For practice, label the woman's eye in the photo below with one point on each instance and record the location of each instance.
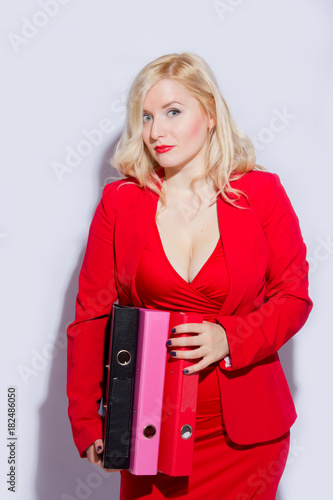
(146, 118)
(174, 112)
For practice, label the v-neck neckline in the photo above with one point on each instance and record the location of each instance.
(171, 266)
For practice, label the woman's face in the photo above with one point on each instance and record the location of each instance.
(175, 128)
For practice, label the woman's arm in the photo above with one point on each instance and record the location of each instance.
(261, 333)
(86, 335)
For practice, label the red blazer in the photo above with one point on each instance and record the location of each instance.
(266, 305)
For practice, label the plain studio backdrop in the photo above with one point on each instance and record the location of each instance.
(66, 70)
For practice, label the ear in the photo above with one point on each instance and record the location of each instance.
(211, 122)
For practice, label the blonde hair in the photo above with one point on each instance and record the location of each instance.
(230, 153)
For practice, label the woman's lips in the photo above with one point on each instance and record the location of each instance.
(163, 149)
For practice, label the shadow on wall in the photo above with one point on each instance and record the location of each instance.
(61, 473)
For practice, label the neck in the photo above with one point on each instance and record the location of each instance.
(177, 188)
(178, 182)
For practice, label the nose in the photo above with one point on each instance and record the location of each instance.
(158, 128)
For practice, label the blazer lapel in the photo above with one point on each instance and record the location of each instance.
(237, 229)
(131, 231)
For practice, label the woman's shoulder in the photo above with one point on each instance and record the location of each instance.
(260, 186)
(121, 193)
(256, 180)
(263, 192)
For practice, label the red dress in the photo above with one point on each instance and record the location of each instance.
(221, 468)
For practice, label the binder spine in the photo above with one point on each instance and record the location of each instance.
(179, 409)
(148, 392)
(120, 387)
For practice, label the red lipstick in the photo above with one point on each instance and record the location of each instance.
(163, 149)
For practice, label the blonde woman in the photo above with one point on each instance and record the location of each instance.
(195, 225)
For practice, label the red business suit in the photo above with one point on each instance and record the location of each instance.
(267, 303)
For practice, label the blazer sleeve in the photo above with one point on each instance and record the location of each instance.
(86, 335)
(286, 305)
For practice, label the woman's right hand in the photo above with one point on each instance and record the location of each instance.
(94, 454)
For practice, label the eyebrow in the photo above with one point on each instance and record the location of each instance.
(166, 105)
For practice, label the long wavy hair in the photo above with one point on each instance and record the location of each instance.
(230, 152)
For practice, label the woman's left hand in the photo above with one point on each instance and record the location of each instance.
(211, 340)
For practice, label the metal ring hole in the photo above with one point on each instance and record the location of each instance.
(123, 357)
(149, 431)
(186, 431)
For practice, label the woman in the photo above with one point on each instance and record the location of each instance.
(193, 226)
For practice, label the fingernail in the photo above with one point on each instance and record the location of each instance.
(173, 353)
(173, 330)
(99, 448)
(168, 342)
(185, 371)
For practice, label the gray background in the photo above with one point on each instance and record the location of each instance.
(66, 69)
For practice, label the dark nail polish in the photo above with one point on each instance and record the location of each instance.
(173, 330)
(173, 353)
(168, 342)
(185, 371)
(99, 449)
